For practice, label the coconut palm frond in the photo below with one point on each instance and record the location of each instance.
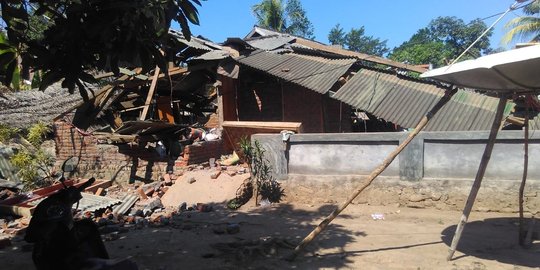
(533, 8)
(522, 28)
(270, 14)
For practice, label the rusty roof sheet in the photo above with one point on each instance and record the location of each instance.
(405, 101)
(315, 73)
(89, 202)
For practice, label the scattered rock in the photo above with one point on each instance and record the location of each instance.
(191, 180)
(215, 174)
(417, 198)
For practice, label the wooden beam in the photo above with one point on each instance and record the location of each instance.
(150, 94)
(521, 234)
(448, 95)
(479, 176)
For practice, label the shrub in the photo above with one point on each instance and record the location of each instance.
(6, 133)
(261, 178)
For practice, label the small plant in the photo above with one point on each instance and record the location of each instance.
(37, 133)
(34, 165)
(6, 133)
(261, 178)
(34, 168)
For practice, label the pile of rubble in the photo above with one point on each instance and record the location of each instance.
(140, 205)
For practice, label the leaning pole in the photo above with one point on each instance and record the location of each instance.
(429, 115)
(479, 176)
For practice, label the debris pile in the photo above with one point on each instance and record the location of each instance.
(170, 201)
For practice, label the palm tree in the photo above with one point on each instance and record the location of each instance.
(271, 14)
(525, 27)
(287, 17)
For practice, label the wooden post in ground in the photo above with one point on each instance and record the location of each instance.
(521, 234)
(448, 95)
(479, 176)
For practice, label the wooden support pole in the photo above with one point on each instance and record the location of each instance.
(448, 95)
(150, 94)
(479, 176)
(521, 234)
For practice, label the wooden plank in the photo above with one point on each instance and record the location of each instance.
(99, 191)
(294, 126)
(150, 94)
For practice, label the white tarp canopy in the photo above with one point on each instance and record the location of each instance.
(513, 71)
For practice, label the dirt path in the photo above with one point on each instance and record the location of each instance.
(406, 239)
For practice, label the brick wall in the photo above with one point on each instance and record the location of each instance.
(203, 151)
(124, 162)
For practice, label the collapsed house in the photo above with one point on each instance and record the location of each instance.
(141, 125)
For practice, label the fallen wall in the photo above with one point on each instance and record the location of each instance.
(436, 169)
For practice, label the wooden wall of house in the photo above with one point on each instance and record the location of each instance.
(259, 101)
(228, 96)
(262, 98)
(303, 105)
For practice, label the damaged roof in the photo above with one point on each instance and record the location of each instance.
(24, 108)
(316, 73)
(263, 41)
(404, 101)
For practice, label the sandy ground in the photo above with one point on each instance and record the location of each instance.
(407, 238)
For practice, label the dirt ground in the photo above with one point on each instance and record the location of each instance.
(260, 237)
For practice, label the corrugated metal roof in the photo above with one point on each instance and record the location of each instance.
(315, 73)
(212, 55)
(405, 101)
(89, 202)
(195, 42)
(269, 43)
(258, 31)
(5, 167)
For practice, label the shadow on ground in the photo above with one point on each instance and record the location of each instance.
(494, 239)
(269, 234)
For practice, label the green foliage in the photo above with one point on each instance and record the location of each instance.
(9, 68)
(261, 180)
(299, 24)
(32, 166)
(526, 28)
(357, 41)
(37, 133)
(443, 40)
(92, 34)
(6, 133)
(284, 17)
(337, 36)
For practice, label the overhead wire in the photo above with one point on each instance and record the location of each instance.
(511, 8)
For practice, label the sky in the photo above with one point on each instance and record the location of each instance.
(393, 20)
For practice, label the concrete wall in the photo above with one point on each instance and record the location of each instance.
(435, 166)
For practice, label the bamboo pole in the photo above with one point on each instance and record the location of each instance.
(448, 95)
(521, 234)
(479, 175)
